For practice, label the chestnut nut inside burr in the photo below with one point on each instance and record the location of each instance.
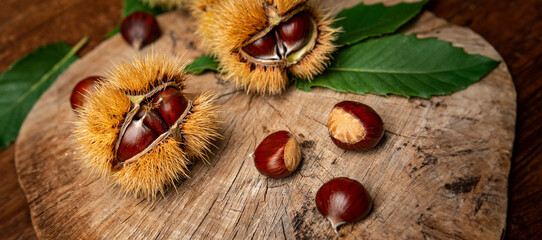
(139, 29)
(343, 200)
(355, 126)
(155, 117)
(278, 155)
(285, 43)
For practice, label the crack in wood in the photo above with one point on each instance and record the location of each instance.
(233, 182)
(204, 217)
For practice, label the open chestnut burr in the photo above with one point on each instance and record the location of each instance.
(261, 43)
(140, 131)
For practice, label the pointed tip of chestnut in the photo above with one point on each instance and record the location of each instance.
(139, 29)
(343, 200)
(335, 224)
(278, 155)
(82, 90)
(355, 126)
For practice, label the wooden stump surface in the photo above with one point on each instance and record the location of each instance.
(441, 170)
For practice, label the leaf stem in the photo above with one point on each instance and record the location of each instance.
(48, 74)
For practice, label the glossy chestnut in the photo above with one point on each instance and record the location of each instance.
(139, 29)
(343, 200)
(82, 90)
(264, 48)
(278, 155)
(295, 33)
(355, 126)
(283, 44)
(171, 104)
(155, 117)
(137, 136)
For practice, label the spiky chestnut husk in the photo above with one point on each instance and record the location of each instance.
(168, 4)
(228, 26)
(98, 127)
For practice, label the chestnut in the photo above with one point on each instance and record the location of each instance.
(283, 44)
(171, 104)
(278, 155)
(264, 48)
(139, 29)
(343, 200)
(296, 32)
(137, 136)
(155, 117)
(355, 126)
(83, 89)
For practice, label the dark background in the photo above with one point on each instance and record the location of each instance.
(513, 27)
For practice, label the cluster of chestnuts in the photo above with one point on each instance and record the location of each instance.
(153, 130)
(352, 126)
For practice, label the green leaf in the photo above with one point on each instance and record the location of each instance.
(131, 6)
(364, 21)
(402, 65)
(202, 64)
(25, 81)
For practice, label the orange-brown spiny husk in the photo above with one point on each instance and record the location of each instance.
(98, 124)
(168, 4)
(226, 26)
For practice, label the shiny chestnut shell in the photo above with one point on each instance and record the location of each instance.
(136, 138)
(343, 200)
(139, 29)
(278, 155)
(155, 117)
(171, 104)
(295, 32)
(81, 90)
(355, 126)
(264, 47)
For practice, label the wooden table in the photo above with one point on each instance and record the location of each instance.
(514, 28)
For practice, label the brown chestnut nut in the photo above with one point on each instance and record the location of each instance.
(355, 126)
(343, 200)
(278, 155)
(296, 32)
(154, 118)
(137, 136)
(139, 29)
(264, 48)
(83, 89)
(171, 104)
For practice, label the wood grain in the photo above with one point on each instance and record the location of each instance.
(441, 171)
(515, 29)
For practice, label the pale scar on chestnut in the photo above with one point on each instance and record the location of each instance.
(278, 155)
